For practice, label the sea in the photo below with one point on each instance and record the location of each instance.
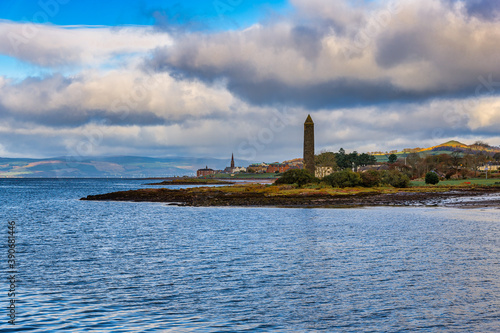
(85, 266)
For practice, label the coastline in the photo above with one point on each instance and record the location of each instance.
(262, 196)
(192, 182)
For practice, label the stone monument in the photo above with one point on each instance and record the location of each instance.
(309, 145)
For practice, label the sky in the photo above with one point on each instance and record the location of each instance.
(211, 78)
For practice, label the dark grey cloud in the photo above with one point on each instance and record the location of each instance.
(399, 48)
(70, 118)
(339, 93)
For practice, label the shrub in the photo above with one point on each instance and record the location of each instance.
(370, 178)
(296, 176)
(345, 178)
(449, 174)
(431, 178)
(395, 178)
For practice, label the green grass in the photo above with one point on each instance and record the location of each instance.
(475, 181)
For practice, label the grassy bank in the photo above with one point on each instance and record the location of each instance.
(246, 176)
(192, 181)
(323, 189)
(460, 182)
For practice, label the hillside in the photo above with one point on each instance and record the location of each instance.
(444, 148)
(447, 146)
(117, 166)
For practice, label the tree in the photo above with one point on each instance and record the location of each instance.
(365, 159)
(431, 178)
(481, 144)
(342, 159)
(496, 157)
(456, 159)
(352, 160)
(415, 162)
(395, 178)
(296, 176)
(393, 158)
(325, 159)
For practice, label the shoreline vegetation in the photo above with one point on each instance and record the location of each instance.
(192, 181)
(314, 196)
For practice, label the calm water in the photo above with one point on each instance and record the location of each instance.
(130, 267)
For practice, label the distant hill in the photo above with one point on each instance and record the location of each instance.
(444, 148)
(448, 146)
(117, 166)
(453, 143)
(461, 147)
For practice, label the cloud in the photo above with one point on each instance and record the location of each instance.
(262, 133)
(55, 46)
(386, 53)
(122, 97)
(486, 116)
(486, 9)
(374, 77)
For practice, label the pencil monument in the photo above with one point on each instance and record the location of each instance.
(309, 145)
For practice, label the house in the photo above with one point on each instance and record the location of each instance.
(321, 172)
(257, 168)
(376, 167)
(277, 167)
(489, 167)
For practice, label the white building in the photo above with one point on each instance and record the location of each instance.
(490, 167)
(239, 169)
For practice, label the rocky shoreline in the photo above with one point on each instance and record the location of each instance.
(192, 182)
(474, 197)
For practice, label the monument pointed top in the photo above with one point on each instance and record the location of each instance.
(309, 120)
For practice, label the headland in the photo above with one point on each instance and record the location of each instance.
(260, 195)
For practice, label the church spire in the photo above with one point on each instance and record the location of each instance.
(232, 161)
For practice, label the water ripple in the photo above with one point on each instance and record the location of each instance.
(129, 267)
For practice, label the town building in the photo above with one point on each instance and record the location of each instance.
(277, 167)
(489, 167)
(239, 169)
(205, 172)
(376, 167)
(258, 168)
(322, 172)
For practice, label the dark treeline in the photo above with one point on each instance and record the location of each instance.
(342, 160)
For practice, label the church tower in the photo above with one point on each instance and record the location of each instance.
(232, 162)
(309, 145)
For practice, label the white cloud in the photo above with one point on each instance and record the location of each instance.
(486, 115)
(115, 94)
(60, 46)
